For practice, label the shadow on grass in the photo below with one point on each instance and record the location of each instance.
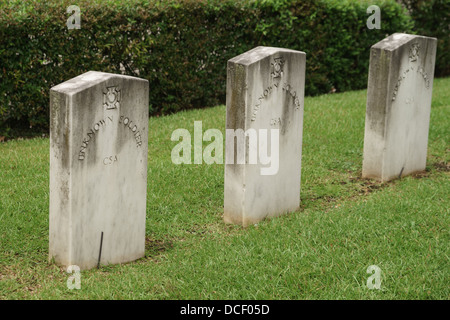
(154, 247)
(366, 186)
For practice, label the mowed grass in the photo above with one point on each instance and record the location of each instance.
(322, 251)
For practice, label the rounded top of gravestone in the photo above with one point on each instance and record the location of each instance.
(87, 80)
(259, 53)
(396, 40)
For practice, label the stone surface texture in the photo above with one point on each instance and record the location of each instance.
(98, 169)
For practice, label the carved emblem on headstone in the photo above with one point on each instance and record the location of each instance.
(414, 52)
(277, 67)
(111, 98)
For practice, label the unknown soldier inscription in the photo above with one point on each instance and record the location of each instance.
(98, 169)
(398, 106)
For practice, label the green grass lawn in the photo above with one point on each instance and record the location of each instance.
(344, 225)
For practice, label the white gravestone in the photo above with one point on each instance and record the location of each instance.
(98, 169)
(265, 96)
(398, 106)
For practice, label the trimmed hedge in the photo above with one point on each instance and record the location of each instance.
(181, 47)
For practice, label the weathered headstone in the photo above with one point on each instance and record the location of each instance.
(265, 93)
(398, 106)
(98, 169)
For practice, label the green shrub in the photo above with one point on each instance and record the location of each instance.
(181, 47)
